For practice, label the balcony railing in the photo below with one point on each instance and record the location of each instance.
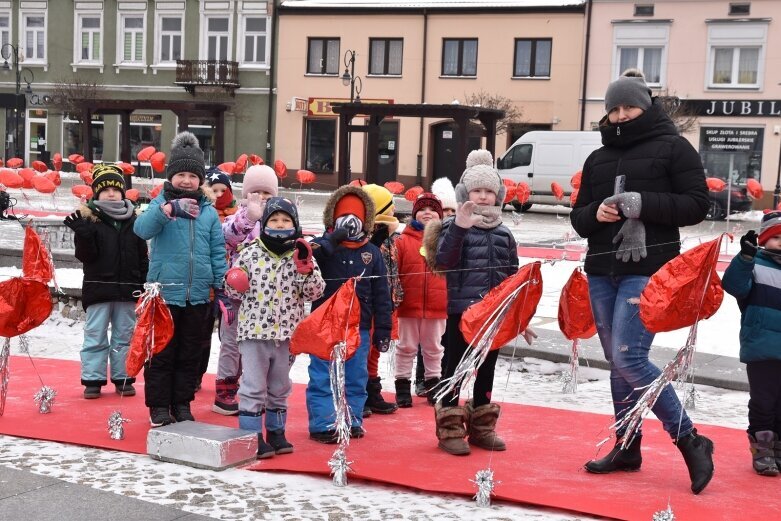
(207, 73)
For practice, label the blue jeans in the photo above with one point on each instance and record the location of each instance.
(626, 343)
(319, 399)
(98, 350)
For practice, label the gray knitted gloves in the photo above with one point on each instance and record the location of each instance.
(629, 203)
(632, 239)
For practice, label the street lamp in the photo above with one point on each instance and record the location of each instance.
(7, 51)
(349, 77)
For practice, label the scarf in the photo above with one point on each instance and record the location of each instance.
(490, 220)
(169, 192)
(224, 201)
(278, 245)
(417, 225)
(115, 210)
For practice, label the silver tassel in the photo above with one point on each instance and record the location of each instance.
(24, 344)
(664, 515)
(45, 399)
(484, 480)
(116, 428)
(690, 397)
(570, 378)
(5, 352)
(343, 421)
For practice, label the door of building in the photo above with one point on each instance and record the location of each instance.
(387, 160)
(37, 148)
(445, 148)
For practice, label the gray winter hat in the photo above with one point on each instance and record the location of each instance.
(186, 156)
(629, 89)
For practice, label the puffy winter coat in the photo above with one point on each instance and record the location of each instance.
(188, 255)
(115, 259)
(476, 259)
(756, 284)
(273, 305)
(425, 293)
(667, 172)
(239, 230)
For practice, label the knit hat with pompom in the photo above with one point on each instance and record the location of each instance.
(186, 156)
(480, 173)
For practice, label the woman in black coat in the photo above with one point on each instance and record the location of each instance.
(636, 191)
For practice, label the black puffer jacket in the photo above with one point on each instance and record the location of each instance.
(115, 259)
(475, 260)
(667, 172)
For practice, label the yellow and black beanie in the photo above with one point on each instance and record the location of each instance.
(107, 176)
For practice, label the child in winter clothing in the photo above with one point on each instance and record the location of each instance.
(281, 274)
(754, 279)
(115, 265)
(384, 237)
(423, 310)
(260, 183)
(344, 251)
(479, 252)
(188, 258)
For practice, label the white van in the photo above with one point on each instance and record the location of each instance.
(541, 157)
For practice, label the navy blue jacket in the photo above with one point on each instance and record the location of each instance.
(476, 261)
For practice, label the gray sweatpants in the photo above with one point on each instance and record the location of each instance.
(265, 378)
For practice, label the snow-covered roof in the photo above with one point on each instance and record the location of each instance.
(430, 4)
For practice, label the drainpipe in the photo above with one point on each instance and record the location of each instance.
(272, 77)
(419, 173)
(585, 66)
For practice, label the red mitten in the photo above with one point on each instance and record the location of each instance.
(303, 257)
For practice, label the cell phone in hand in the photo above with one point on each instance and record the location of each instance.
(620, 184)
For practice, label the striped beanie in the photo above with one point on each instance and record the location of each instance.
(770, 227)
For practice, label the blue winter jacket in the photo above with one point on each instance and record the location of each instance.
(187, 253)
(475, 260)
(756, 284)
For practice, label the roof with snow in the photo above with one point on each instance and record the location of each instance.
(432, 4)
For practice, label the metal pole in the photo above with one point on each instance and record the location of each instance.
(777, 191)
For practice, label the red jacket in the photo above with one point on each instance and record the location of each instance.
(425, 294)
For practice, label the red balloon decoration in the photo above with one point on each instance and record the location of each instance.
(14, 162)
(26, 304)
(305, 177)
(127, 168)
(154, 326)
(255, 159)
(57, 161)
(574, 181)
(40, 166)
(27, 175)
(36, 259)
(84, 167)
(43, 185)
(412, 194)
(86, 177)
(157, 161)
(394, 187)
(573, 197)
(523, 192)
(280, 168)
(358, 182)
(11, 179)
(576, 319)
(156, 191)
(715, 184)
(54, 177)
(558, 191)
(227, 167)
(508, 182)
(132, 194)
(76, 158)
(754, 189)
(241, 164)
(145, 154)
(82, 191)
(509, 193)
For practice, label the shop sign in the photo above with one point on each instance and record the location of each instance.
(322, 106)
(733, 108)
(730, 139)
(154, 119)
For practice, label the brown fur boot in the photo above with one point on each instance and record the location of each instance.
(451, 429)
(482, 426)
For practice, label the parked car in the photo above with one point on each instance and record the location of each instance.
(737, 200)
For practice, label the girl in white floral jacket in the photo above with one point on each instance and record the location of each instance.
(273, 277)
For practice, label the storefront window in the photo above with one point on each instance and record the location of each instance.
(733, 154)
(144, 132)
(205, 130)
(71, 137)
(320, 145)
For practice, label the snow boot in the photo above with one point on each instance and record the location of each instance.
(403, 393)
(225, 402)
(375, 401)
(481, 422)
(125, 389)
(451, 429)
(420, 388)
(762, 452)
(182, 412)
(253, 421)
(431, 385)
(276, 419)
(159, 416)
(697, 452)
(628, 459)
(91, 392)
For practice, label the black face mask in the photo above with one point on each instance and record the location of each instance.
(278, 245)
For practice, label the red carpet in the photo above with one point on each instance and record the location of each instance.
(541, 467)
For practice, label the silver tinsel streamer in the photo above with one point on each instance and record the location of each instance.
(664, 515)
(24, 344)
(690, 397)
(116, 428)
(45, 399)
(480, 347)
(484, 481)
(338, 462)
(570, 378)
(5, 352)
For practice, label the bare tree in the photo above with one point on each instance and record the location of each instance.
(486, 100)
(684, 117)
(72, 94)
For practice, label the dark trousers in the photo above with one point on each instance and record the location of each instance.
(208, 324)
(172, 373)
(454, 349)
(764, 404)
(420, 368)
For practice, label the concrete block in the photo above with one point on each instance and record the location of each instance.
(202, 445)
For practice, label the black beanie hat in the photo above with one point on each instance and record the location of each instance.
(107, 176)
(280, 204)
(216, 176)
(186, 156)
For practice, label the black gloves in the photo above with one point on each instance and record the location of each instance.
(748, 244)
(381, 232)
(78, 224)
(383, 345)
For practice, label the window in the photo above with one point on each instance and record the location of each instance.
(131, 47)
(71, 137)
(320, 145)
(385, 56)
(644, 10)
(739, 9)
(217, 38)
(459, 57)
(323, 57)
(170, 31)
(532, 58)
(736, 54)
(5, 28)
(35, 37)
(255, 40)
(144, 131)
(641, 46)
(89, 38)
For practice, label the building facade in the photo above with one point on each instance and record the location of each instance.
(119, 59)
(420, 52)
(721, 58)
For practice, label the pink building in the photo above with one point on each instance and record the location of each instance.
(722, 58)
